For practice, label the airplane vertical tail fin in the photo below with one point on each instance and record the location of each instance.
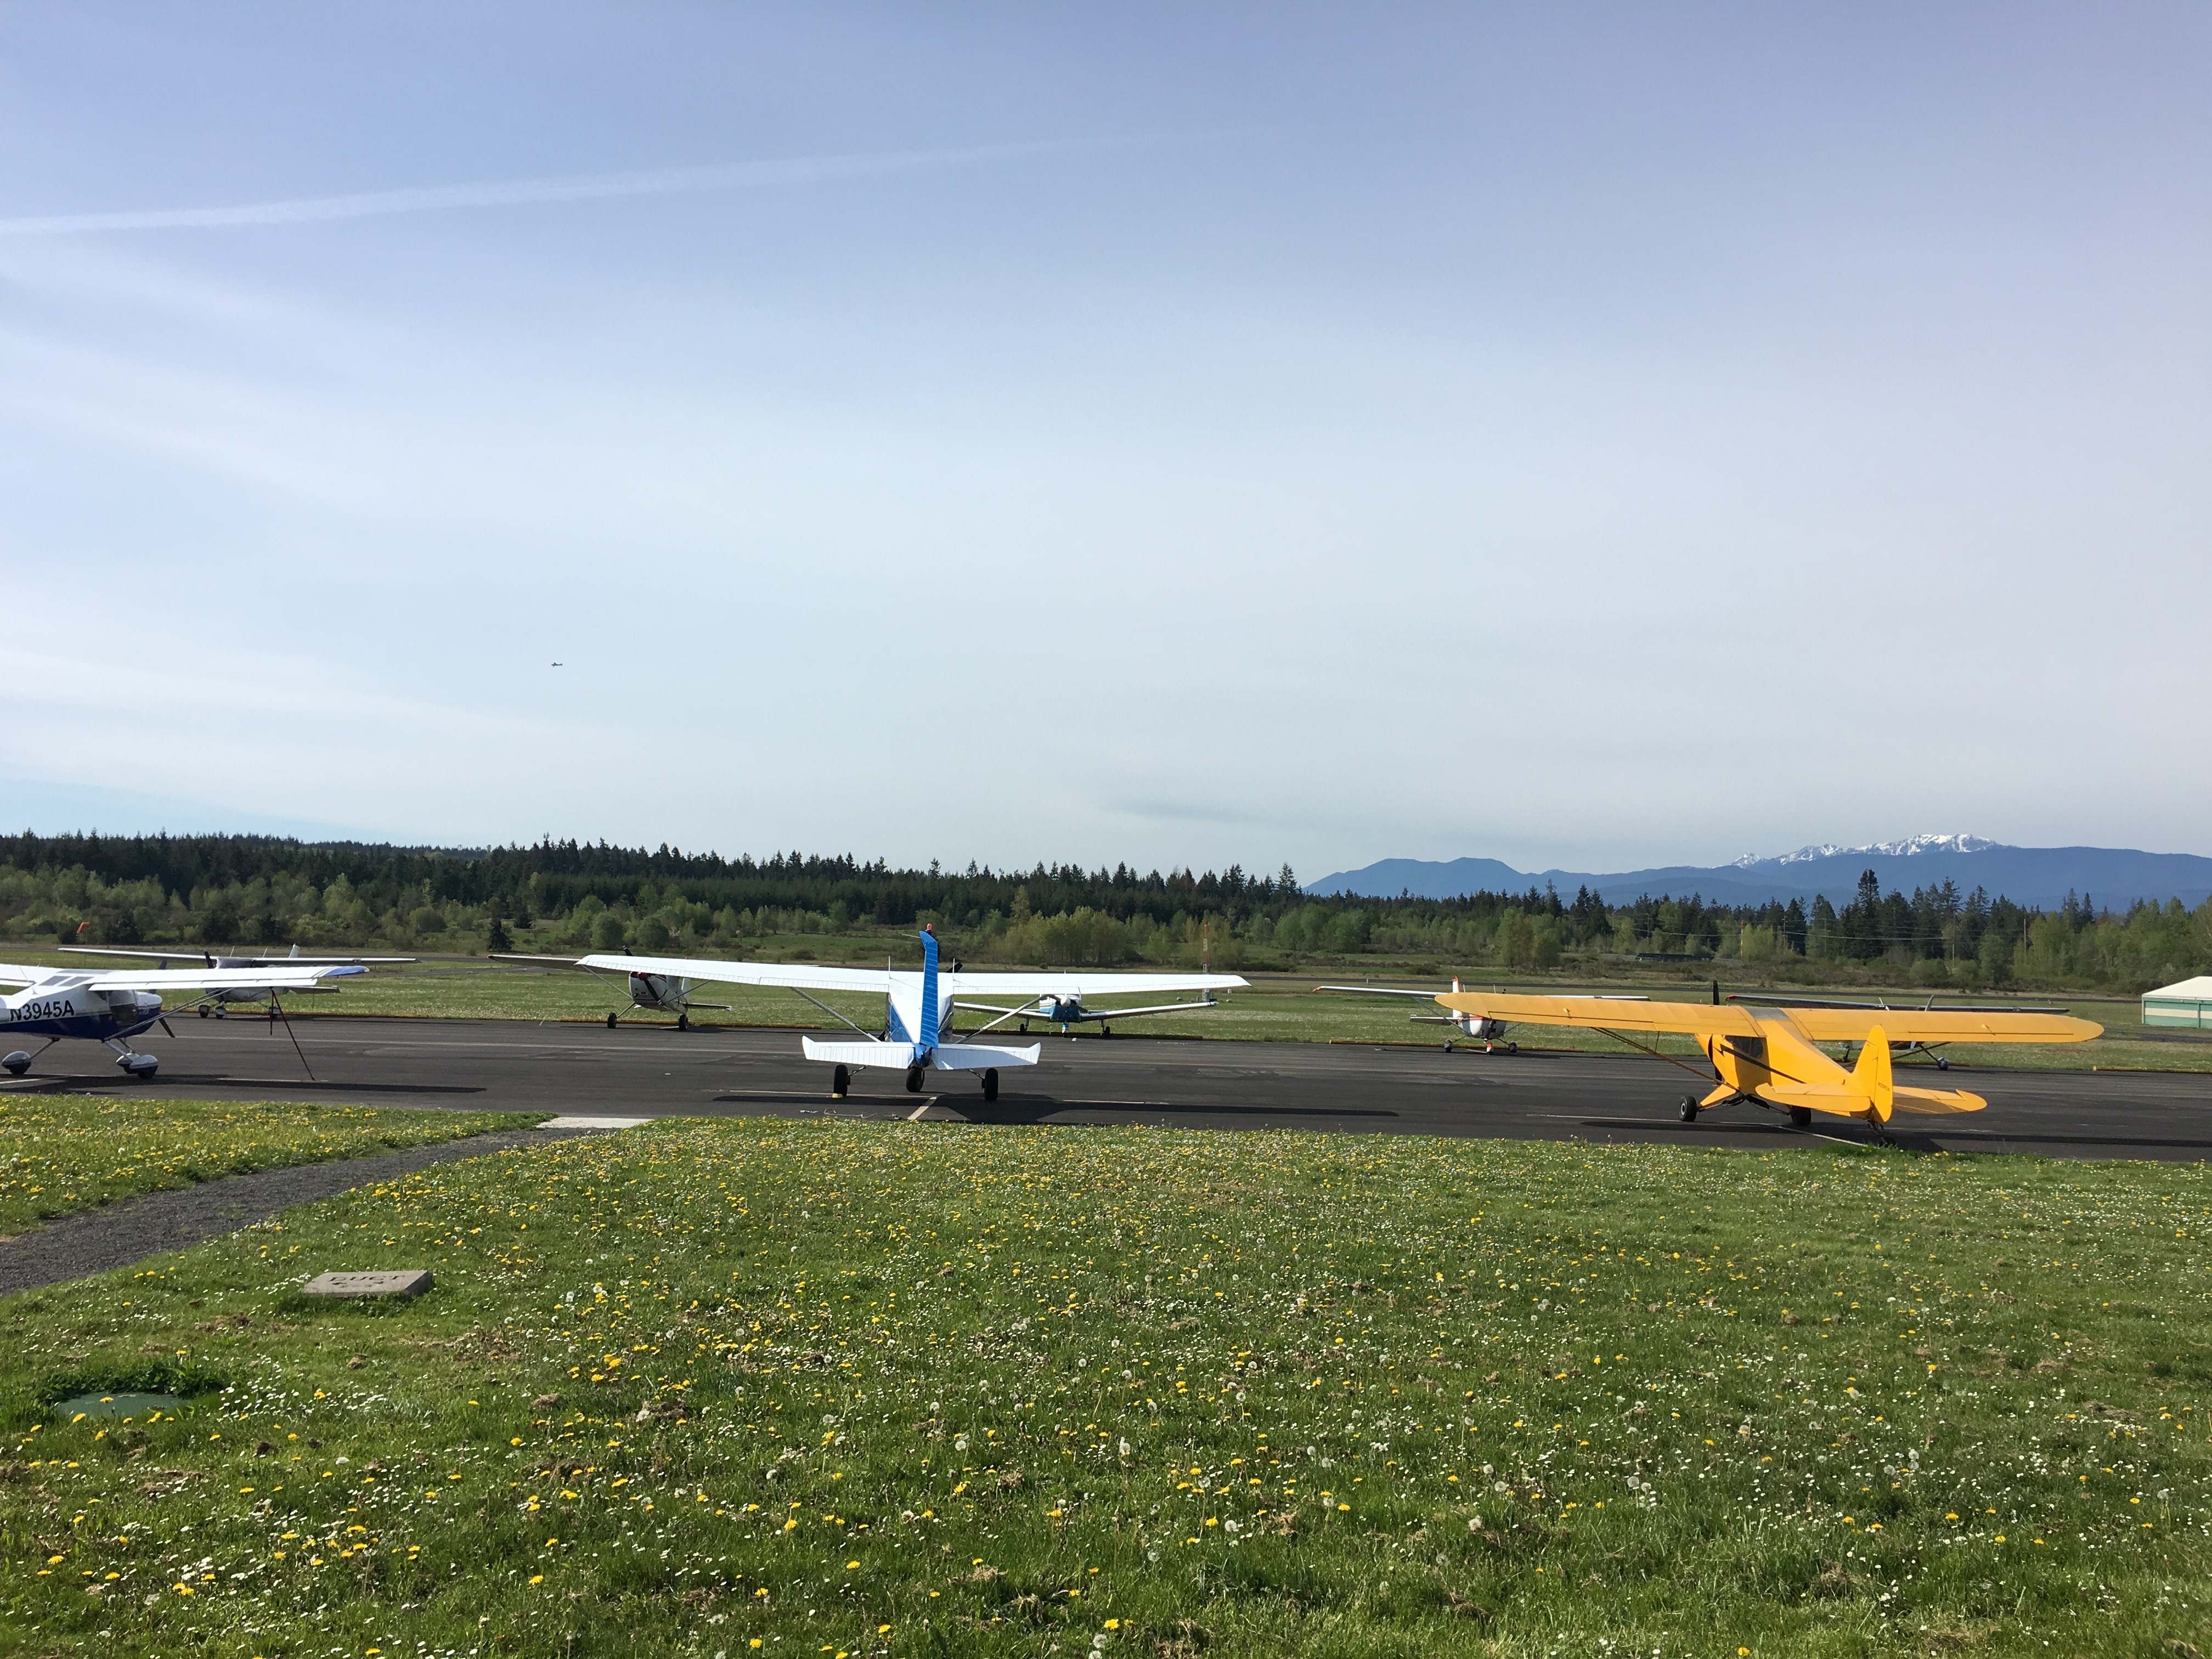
(926, 1038)
(1872, 1079)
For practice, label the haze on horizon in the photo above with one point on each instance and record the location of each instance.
(1593, 438)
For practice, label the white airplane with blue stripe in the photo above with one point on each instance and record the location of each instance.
(917, 1036)
(111, 1006)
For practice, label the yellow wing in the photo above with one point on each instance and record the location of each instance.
(1940, 1025)
(1742, 1019)
(1605, 1013)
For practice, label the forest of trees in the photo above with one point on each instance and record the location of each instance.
(269, 892)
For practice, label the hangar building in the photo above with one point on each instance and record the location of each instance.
(2189, 1003)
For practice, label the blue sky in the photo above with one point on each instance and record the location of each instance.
(1595, 436)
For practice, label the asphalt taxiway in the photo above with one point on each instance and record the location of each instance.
(655, 1070)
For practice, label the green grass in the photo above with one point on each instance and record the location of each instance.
(920, 1390)
(60, 1153)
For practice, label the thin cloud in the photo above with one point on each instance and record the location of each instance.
(519, 193)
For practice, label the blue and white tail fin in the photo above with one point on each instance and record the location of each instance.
(926, 1038)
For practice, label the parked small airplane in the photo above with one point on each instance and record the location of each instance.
(1765, 1055)
(214, 1003)
(1487, 1032)
(110, 1006)
(916, 1037)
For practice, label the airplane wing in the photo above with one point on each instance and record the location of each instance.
(1762, 1000)
(1377, 991)
(1604, 1013)
(790, 975)
(1090, 983)
(214, 979)
(1090, 1011)
(1942, 1025)
(13, 973)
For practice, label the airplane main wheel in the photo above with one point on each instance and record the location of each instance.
(1512, 1048)
(913, 1080)
(1689, 1109)
(17, 1063)
(1802, 1117)
(840, 1079)
(1941, 1064)
(991, 1084)
(610, 1022)
(1105, 1030)
(682, 1022)
(203, 1013)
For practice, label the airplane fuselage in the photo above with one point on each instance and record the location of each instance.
(70, 1007)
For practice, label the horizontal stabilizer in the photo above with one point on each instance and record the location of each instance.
(896, 1056)
(976, 1057)
(1842, 1101)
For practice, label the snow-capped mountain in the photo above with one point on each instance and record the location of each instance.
(1895, 849)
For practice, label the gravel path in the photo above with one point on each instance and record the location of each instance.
(116, 1234)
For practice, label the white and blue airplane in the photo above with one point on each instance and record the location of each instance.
(110, 1006)
(916, 1037)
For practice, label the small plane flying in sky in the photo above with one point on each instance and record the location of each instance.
(917, 1035)
(1765, 1054)
(111, 1006)
(214, 1002)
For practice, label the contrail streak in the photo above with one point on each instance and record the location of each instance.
(514, 192)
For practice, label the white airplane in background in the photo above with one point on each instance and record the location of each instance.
(916, 1038)
(1485, 1031)
(214, 1002)
(110, 1006)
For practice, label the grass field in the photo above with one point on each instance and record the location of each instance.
(60, 1153)
(830, 1389)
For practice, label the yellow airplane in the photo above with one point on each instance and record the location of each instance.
(1766, 1054)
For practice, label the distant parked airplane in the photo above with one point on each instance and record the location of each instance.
(214, 1003)
(916, 1038)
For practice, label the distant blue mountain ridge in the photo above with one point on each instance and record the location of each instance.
(2039, 877)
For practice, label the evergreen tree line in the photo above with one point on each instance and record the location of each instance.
(273, 892)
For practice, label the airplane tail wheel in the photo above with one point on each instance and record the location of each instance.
(610, 1022)
(682, 1022)
(914, 1081)
(840, 1080)
(1802, 1117)
(991, 1084)
(1689, 1109)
